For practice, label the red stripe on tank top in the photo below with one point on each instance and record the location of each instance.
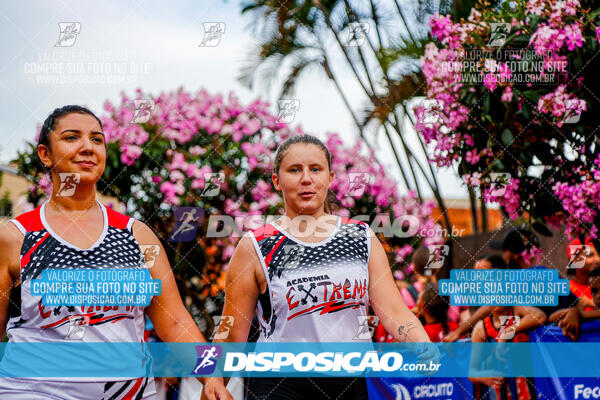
(27, 257)
(270, 255)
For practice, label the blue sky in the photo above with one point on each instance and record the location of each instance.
(159, 43)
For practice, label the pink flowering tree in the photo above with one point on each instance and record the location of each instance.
(167, 160)
(512, 100)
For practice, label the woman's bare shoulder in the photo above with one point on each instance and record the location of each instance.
(10, 236)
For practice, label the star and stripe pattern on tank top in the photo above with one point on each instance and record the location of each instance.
(43, 249)
(312, 285)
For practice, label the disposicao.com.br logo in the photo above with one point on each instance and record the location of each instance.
(339, 362)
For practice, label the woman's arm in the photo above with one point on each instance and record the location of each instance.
(557, 315)
(531, 317)
(465, 327)
(387, 301)
(591, 314)
(242, 289)
(11, 240)
(172, 322)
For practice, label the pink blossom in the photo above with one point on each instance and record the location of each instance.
(197, 150)
(507, 95)
(509, 198)
(547, 39)
(490, 81)
(473, 179)
(178, 162)
(536, 7)
(255, 153)
(472, 157)
(45, 183)
(440, 26)
(573, 36)
(130, 153)
(170, 191)
(398, 275)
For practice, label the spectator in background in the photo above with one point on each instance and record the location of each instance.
(587, 313)
(489, 261)
(423, 275)
(433, 311)
(485, 262)
(594, 280)
(505, 324)
(514, 243)
(410, 294)
(583, 259)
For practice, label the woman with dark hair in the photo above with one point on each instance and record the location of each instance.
(72, 230)
(311, 277)
(490, 261)
(433, 308)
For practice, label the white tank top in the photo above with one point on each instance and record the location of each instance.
(30, 321)
(316, 292)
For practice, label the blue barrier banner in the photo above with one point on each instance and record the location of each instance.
(414, 360)
(574, 386)
(420, 388)
(548, 381)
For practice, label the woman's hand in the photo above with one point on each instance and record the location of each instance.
(494, 382)
(452, 336)
(214, 389)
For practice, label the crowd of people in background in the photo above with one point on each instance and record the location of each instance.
(447, 323)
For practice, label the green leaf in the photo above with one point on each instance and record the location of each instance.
(507, 137)
(486, 103)
(526, 111)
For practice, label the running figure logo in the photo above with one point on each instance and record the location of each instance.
(432, 112)
(287, 110)
(186, 224)
(357, 32)
(212, 184)
(68, 184)
(207, 359)
(437, 255)
(572, 111)
(366, 327)
(578, 254)
(68, 34)
(212, 34)
(222, 326)
(77, 327)
(358, 183)
(292, 254)
(149, 254)
(498, 182)
(499, 33)
(143, 111)
(508, 326)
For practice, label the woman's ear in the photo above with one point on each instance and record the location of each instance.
(331, 178)
(275, 179)
(44, 155)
